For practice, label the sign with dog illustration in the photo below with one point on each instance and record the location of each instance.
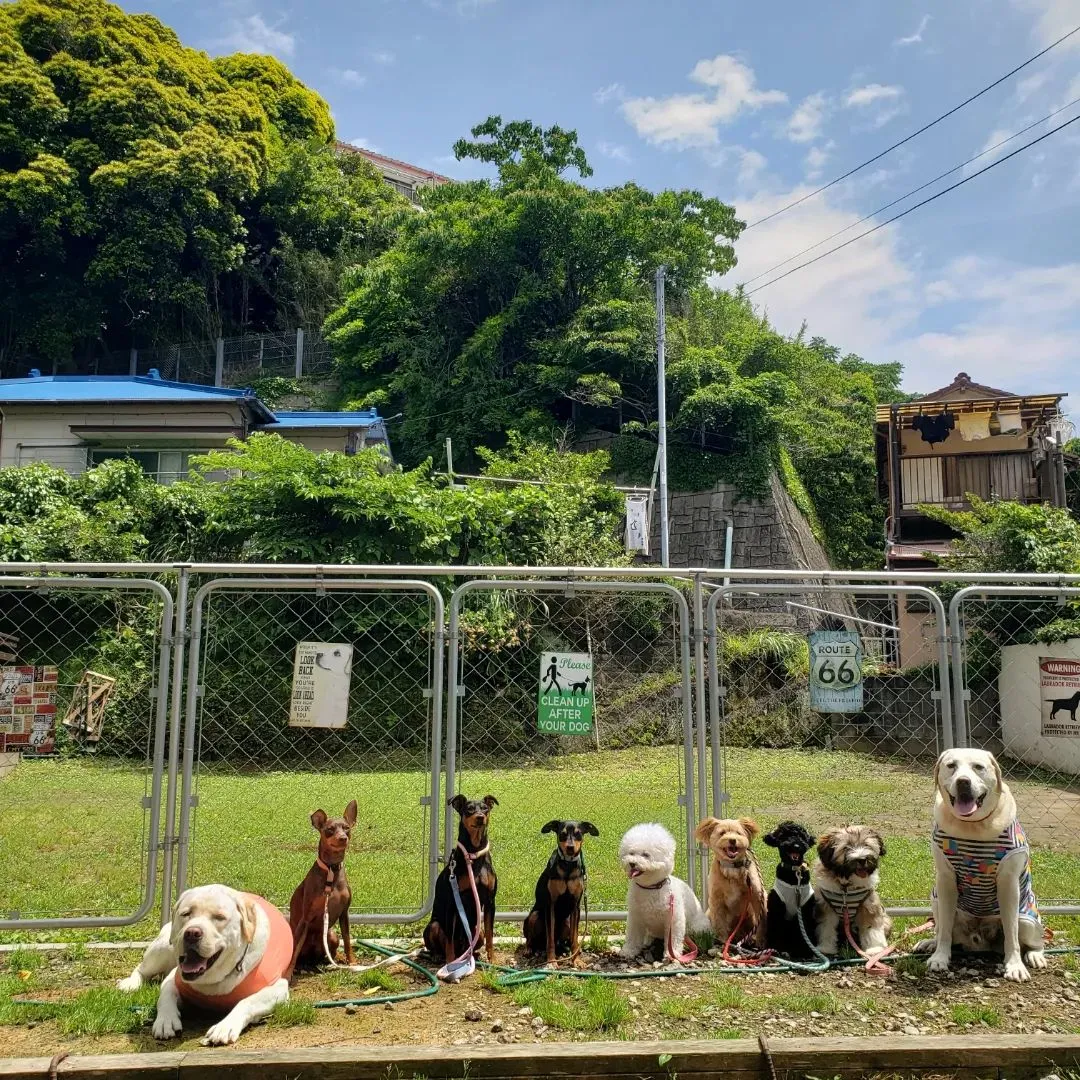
(1059, 682)
(565, 695)
(836, 679)
(322, 675)
(28, 709)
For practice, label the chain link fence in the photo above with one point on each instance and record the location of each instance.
(1016, 655)
(254, 770)
(84, 675)
(814, 717)
(634, 764)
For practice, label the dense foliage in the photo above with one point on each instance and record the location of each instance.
(150, 193)
(527, 303)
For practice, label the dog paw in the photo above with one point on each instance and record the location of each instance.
(927, 945)
(938, 964)
(1036, 959)
(167, 1025)
(1015, 970)
(132, 983)
(628, 954)
(223, 1033)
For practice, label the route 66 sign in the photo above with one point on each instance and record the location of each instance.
(836, 680)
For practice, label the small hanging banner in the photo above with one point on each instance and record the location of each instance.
(637, 524)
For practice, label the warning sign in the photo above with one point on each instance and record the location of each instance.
(322, 675)
(28, 709)
(1059, 682)
(565, 695)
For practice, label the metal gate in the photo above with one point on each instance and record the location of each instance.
(772, 755)
(80, 835)
(638, 635)
(250, 781)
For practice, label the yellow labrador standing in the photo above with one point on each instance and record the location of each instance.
(225, 951)
(983, 897)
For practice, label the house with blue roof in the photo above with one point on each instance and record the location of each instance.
(78, 421)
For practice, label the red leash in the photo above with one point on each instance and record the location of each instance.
(686, 957)
(762, 957)
(874, 966)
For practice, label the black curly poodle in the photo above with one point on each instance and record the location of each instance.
(791, 892)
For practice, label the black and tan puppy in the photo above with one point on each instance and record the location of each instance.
(552, 926)
(444, 935)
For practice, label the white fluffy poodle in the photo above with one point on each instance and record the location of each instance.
(658, 904)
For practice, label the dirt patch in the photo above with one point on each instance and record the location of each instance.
(836, 1003)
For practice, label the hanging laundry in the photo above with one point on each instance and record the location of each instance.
(934, 429)
(974, 426)
(1009, 423)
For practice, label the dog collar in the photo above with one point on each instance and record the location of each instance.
(652, 888)
(330, 871)
(575, 861)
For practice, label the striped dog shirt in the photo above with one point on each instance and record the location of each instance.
(845, 901)
(976, 864)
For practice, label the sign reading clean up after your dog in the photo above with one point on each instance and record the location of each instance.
(1059, 681)
(565, 695)
(322, 674)
(836, 682)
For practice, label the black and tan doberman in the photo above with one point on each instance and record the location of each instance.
(552, 926)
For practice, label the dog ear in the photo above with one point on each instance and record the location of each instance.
(551, 826)
(997, 771)
(350, 814)
(589, 827)
(490, 801)
(937, 769)
(881, 843)
(771, 839)
(248, 919)
(318, 819)
(749, 826)
(459, 802)
(705, 829)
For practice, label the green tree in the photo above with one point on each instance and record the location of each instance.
(148, 192)
(511, 303)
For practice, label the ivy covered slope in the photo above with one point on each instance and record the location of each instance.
(150, 193)
(526, 303)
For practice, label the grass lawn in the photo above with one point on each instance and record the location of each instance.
(71, 832)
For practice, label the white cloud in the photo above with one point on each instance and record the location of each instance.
(1004, 323)
(916, 38)
(694, 119)
(364, 144)
(1053, 18)
(350, 77)
(612, 92)
(384, 57)
(252, 34)
(1032, 84)
(613, 151)
(751, 165)
(806, 121)
(815, 160)
(871, 94)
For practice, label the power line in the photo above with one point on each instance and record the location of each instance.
(910, 209)
(914, 134)
(913, 191)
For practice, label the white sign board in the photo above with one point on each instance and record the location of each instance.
(836, 680)
(1059, 683)
(322, 674)
(637, 523)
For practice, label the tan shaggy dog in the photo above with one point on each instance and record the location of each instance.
(736, 894)
(846, 880)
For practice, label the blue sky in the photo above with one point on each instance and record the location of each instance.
(755, 104)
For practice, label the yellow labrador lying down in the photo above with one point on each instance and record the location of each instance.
(224, 951)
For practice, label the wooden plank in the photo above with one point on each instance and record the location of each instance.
(973, 1055)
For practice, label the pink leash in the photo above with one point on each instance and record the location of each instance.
(686, 957)
(465, 964)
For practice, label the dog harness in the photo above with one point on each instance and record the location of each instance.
(275, 960)
(845, 901)
(793, 897)
(976, 864)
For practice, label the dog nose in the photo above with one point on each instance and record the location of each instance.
(963, 785)
(192, 935)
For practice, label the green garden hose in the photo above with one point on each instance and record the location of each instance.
(385, 999)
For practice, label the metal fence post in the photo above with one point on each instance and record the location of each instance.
(453, 677)
(699, 718)
(299, 351)
(176, 700)
(219, 362)
(133, 362)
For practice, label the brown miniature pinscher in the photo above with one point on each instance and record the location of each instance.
(552, 925)
(444, 936)
(324, 889)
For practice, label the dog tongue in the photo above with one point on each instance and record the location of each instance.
(965, 807)
(192, 965)
(636, 873)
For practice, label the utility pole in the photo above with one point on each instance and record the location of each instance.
(661, 409)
